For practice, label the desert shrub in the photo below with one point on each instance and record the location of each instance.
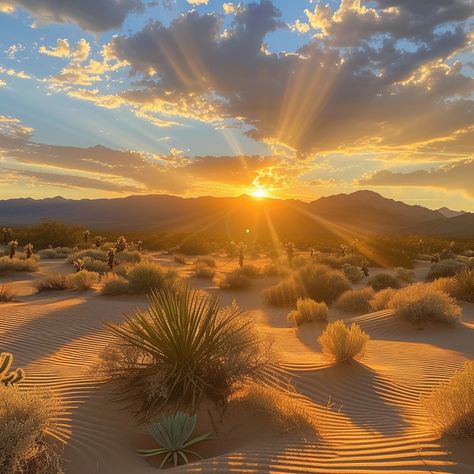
(381, 299)
(50, 232)
(284, 293)
(52, 282)
(195, 245)
(284, 408)
(342, 343)
(147, 276)
(56, 253)
(179, 259)
(333, 261)
(250, 271)
(443, 284)
(355, 301)
(97, 266)
(182, 349)
(383, 280)
(308, 310)
(276, 270)
(26, 418)
(420, 303)
(129, 256)
(451, 405)
(462, 285)
(444, 268)
(94, 254)
(15, 264)
(122, 270)
(201, 270)
(83, 280)
(115, 285)
(207, 260)
(353, 273)
(468, 253)
(235, 280)
(299, 261)
(7, 294)
(405, 274)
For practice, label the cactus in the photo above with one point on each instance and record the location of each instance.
(7, 235)
(139, 245)
(78, 264)
(242, 247)
(13, 245)
(28, 250)
(9, 377)
(121, 244)
(86, 234)
(290, 251)
(111, 258)
(98, 241)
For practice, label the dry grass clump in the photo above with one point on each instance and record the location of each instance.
(250, 271)
(26, 417)
(94, 254)
(405, 274)
(115, 285)
(353, 273)
(17, 265)
(336, 262)
(235, 280)
(285, 409)
(179, 259)
(342, 343)
(451, 405)
(318, 282)
(83, 280)
(54, 281)
(56, 253)
(355, 301)
(276, 270)
(206, 260)
(444, 268)
(462, 285)
(93, 265)
(383, 280)
(420, 303)
(308, 310)
(7, 294)
(201, 270)
(148, 276)
(381, 299)
(184, 348)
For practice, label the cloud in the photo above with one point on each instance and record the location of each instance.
(2, 83)
(14, 73)
(451, 176)
(61, 50)
(198, 2)
(91, 15)
(322, 98)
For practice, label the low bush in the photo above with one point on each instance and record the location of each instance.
(353, 273)
(148, 276)
(284, 293)
(381, 299)
(56, 253)
(180, 259)
(7, 294)
(383, 280)
(94, 254)
(52, 282)
(355, 301)
(83, 280)
(276, 270)
(206, 260)
(27, 416)
(201, 270)
(444, 268)
(451, 405)
(195, 245)
(15, 264)
(420, 303)
(129, 256)
(308, 310)
(250, 271)
(342, 343)
(97, 266)
(462, 285)
(184, 348)
(115, 285)
(235, 280)
(405, 274)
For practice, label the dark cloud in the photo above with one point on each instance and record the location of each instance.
(452, 176)
(378, 95)
(90, 15)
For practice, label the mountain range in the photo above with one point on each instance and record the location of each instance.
(342, 214)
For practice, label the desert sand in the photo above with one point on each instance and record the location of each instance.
(369, 415)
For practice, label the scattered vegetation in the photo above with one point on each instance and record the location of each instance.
(451, 405)
(183, 348)
(308, 310)
(172, 433)
(342, 343)
(94, 254)
(7, 294)
(356, 300)
(277, 270)
(56, 253)
(53, 281)
(235, 280)
(195, 245)
(83, 280)
(115, 285)
(206, 260)
(444, 268)
(383, 280)
(353, 273)
(92, 265)
(405, 274)
(179, 259)
(381, 299)
(148, 276)
(201, 270)
(250, 271)
(17, 265)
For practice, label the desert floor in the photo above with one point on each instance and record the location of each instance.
(370, 417)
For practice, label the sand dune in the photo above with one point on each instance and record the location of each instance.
(369, 415)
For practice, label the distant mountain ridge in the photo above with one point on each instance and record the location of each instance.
(361, 211)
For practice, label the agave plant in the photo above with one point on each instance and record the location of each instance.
(172, 433)
(463, 284)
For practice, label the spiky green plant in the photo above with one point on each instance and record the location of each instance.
(172, 433)
(186, 348)
(463, 284)
(9, 377)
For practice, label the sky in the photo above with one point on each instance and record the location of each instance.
(285, 98)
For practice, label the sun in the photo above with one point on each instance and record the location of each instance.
(259, 193)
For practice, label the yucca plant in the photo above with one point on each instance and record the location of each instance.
(463, 284)
(9, 377)
(183, 348)
(172, 433)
